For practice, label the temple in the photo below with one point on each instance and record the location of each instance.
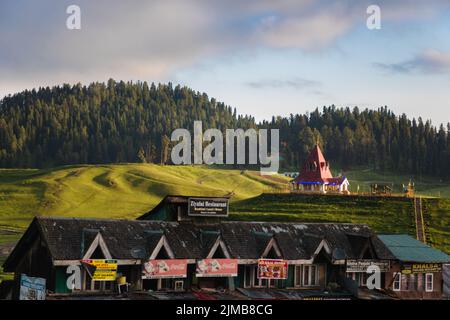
(315, 176)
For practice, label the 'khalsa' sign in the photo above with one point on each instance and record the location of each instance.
(409, 268)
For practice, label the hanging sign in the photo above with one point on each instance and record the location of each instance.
(101, 270)
(272, 269)
(170, 268)
(363, 264)
(217, 268)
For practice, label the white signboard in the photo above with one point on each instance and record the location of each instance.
(32, 288)
(362, 265)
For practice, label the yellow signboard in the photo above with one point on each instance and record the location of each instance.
(409, 268)
(101, 270)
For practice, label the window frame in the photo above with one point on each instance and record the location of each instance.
(248, 276)
(310, 277)
(431, 282)
(298, 278)
(399, 280)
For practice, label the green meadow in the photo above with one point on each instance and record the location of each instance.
(116, 191)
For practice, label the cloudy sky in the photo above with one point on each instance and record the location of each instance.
(263, 57)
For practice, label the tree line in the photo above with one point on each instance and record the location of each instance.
(132, 122)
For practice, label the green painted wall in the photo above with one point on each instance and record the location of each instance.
(61, 280)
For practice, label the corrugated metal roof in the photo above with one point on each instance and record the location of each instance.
(406, 248)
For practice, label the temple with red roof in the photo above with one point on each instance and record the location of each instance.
(315, 176)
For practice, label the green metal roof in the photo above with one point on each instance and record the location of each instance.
(406, 248)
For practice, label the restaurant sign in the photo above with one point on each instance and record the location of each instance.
(363, 264)
(159, 269)
(208, 207)
(217, 268)
(409, 268)
(101, 269)
(272, 269)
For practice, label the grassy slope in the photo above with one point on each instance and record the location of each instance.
(437, 217)
(111, 191)
(384, 215)
(115, 191)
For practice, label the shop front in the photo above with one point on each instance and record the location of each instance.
(165, 274)
(417, 271)
(216, 273)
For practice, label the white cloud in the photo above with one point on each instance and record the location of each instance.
(152, 40)
(428, 61)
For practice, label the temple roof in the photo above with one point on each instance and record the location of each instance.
(316, 169)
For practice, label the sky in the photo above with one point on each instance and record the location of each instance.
(262, 57)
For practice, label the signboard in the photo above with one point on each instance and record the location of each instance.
(208, 207)
(409, 268)
(217, 268)
(32, 288)
(101, 270)
(272, 269)
(363, 264)
(159, 269)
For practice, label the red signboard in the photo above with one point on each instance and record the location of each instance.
(171, 268)
(217, 268)
(272, 269)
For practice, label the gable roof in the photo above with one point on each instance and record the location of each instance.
(137, 239)
(406, 248)
(170, 200)
(97, 242)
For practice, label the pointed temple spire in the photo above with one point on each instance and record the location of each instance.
(315, 175)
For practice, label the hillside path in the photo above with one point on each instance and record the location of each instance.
(420, 225)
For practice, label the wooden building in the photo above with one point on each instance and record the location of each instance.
(315, 254)
(189, 239)
(417, 270)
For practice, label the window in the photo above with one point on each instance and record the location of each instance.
(429, 282)
(412, 283)
(352, 275)
(310, 275)
(165, 284)
(248, 276)
(396, 285)
(298, 276)
(272, 283)
(363, 279)
(359, 277)
(179, 285)
(409, 282)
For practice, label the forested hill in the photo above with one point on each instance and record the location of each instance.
(102, 123)
(132, 122)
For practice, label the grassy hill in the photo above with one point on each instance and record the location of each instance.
(112, 191)
(128, 190)
(116, 191)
